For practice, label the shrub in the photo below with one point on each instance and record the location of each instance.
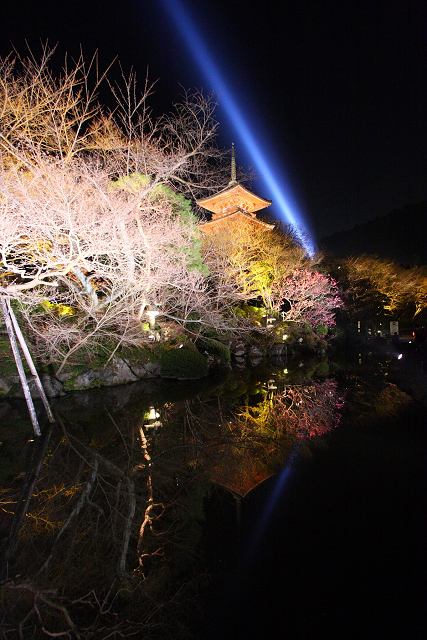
(183, 363)
(215, 349)
(321, 330)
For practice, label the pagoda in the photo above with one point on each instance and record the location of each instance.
(234, 206)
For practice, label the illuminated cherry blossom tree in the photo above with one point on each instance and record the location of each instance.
(307, 296)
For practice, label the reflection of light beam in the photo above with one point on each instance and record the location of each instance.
(272, 501)
(195, 43)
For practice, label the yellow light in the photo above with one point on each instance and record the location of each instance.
(152, 414)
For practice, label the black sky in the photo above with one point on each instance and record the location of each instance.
(336, 90)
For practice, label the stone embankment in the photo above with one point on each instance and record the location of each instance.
(118, 371)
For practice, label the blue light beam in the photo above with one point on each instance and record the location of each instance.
(195, 44)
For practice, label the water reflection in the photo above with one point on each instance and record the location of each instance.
(108, 519)
(272, 501)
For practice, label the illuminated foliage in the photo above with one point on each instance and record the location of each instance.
(247, 262)
(380, 287)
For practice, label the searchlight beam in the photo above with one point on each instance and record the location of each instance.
(199, 50)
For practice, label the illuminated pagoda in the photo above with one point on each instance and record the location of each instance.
(234, 206)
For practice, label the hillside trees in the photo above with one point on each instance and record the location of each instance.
(377, 287)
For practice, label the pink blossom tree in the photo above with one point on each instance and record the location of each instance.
(307, 296)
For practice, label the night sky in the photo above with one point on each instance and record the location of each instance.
(333, 92)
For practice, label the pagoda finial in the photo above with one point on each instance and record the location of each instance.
(233, 165)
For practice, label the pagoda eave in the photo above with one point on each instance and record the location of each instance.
(236, 218)
(235, 195)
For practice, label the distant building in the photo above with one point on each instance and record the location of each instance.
(234, 206)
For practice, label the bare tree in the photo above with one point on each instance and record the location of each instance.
(107, 254)
(92, 231)
(58, 116)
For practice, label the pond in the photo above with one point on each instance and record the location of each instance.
(286, 499)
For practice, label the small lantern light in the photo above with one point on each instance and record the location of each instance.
(152, 418)
(152, 313)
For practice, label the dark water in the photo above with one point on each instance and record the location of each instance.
(332, 546)
(344, 552)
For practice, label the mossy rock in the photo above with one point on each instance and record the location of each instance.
(185, 363)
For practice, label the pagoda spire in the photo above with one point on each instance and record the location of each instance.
(233, 206)
(233, 165)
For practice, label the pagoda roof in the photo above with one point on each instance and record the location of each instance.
(237, 217)
(232, 198)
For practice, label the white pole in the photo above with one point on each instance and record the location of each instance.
(30, 362)
(20, 368)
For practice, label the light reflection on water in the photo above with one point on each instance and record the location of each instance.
(264, 518)
(343, 552)
(118, 502)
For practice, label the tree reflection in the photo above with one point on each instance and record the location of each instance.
(110, 542)
(303, 410)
